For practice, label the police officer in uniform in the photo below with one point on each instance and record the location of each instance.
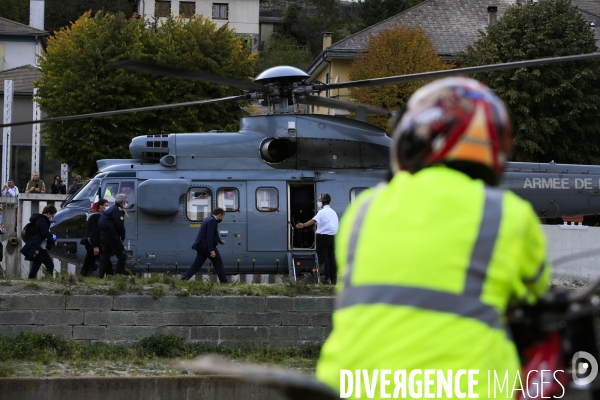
(431, 260)
(112, 236)
(327, 226)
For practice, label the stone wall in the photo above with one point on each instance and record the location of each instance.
(213, 320)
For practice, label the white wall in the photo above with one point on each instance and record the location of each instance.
(569, 243)
(243, 14)
(19, 51)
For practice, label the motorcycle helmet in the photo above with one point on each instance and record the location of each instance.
(455, 121)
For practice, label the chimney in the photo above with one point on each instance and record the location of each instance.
(326, 39)
(36, 14)
(492, 11)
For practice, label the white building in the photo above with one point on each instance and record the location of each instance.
(241, 15)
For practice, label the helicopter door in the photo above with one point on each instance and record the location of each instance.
(267, 216)
(128, 186)
(302, 209)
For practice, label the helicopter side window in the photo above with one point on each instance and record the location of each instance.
(354, 192)
(228, 199)
(111, 189)
(199, 203)
(267, 199)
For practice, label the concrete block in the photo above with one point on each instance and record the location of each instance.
(326, 331)
(24, 328)
(150, 318)
(310, 333)
(192, 303)
(320, 319)
(31, 302)
(246, 334)
(313, 304)
(6, 330)
(131, 333)
(219, 318)
(237, 303)
(65, 331)
(283, 333)
(295, 318)
(279, 303)
(109, 318)
(254, 319)
(90, 332)
(16, 317)
(283, 343)
(135, 303)
(58, 317)
(89, 303)
(180, 331)
(204, 333)
(185, 318)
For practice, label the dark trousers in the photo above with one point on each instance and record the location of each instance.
(326, 256)
(42, 257)
(112, 246)
(90, 259)
(201, 256)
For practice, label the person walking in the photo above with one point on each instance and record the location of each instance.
(327, 227)
(112, 235)
(432, 259)
(91, 241)
(205, 245)
(35, 250)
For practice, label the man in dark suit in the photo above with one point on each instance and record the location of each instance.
(112, 235)
(206, 246)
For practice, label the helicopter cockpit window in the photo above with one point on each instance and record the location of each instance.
(355, 192)
(87, 192)
(267, 199)
(199, 203)
(111, 189)
(228, 199)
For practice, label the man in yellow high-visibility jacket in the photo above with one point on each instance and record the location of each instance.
(431, 260)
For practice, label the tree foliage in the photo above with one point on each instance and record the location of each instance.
(374, 11)
(61, 13)
(284, 50)
(76, 79)
(15, 10)
(398, 50)
(554, 108)
(307, 24)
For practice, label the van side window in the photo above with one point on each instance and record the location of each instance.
(199, 203)
(354, 192)
(267, 199)
(228, 199)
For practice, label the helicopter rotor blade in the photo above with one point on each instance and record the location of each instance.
(341, 104)
(128, 111)
(452, 72)
(143, 66)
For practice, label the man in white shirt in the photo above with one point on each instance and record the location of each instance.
(10, 190)
(327, 226)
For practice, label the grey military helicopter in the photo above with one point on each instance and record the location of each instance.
(268, 175)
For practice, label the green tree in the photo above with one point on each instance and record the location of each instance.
(284, 50)
(374, 11)
(554, 108)
(15, 10)
(398, 50)
(76, 79)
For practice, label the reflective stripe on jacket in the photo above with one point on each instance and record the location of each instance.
(430, 262)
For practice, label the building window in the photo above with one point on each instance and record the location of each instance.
(267, 199)
(187, 9)
(199, 204)
(228, 199)
(162, 8)
(220, 11)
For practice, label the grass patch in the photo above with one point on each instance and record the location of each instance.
(40, 354)
(161, 285)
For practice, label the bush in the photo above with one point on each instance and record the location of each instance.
(162, 346)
